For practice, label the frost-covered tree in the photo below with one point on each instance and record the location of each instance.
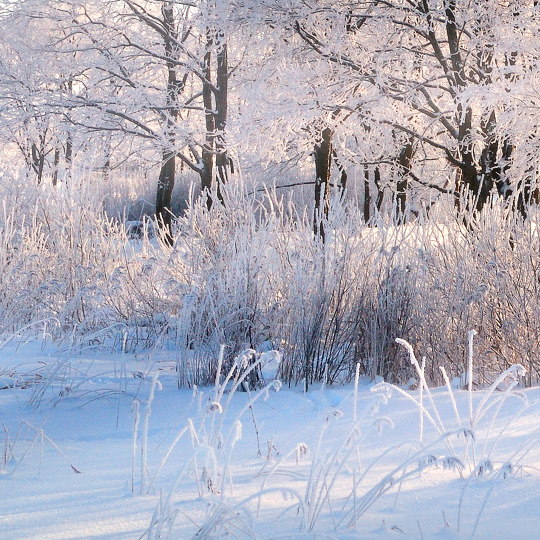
(29, 119)
(409, 96)
(322, 98)
(151, 77)
(441, 74)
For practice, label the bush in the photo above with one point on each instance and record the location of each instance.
(250, 274)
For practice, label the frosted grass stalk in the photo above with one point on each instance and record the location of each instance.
(508, 423)
(423, 381)
(134, 445)
(472, 333)
(451, 393)
(166, 457)
(515, 371)
(144, 437)
(355, 393)
(423, 371)
(218, 372)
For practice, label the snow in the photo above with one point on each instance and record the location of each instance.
(300, 449)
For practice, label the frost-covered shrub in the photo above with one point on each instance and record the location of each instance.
(484, 278)
(250, 274)
(332, 291)
(56, 256)
(225, 261)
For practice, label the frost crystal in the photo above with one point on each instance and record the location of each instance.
(214, 406)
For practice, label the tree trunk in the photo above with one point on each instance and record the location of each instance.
(38, 159)
(69, 150)
(215, 100)
(164, 196)
(367, 195)
(56, 165)
(207, 170)
(174, 87)
(404, 163)
(323, 165)
(369, 205)
(222, 84)
(343, 177)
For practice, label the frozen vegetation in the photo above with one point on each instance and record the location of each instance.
(133, 405)
(269, 269)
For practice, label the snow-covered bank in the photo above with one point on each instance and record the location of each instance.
(302, 467)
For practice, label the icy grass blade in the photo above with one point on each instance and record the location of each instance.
(43, 438)
(401, 473)
(439, 423)
(472, 333)
(144, 436)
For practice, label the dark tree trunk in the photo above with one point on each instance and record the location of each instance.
(323, 165)
(38, 159)
(56, 165)
(475, 182)
(527, 195)
(527, 191)
(367, 195)
(342, 185)
(215, 160)
(107, 165)
(369, 205)
(164, 196)
(69, 151)
(207, 170)
(174, 87)
(222, 83)
(404, 164)
(480, 180)
(474, 186)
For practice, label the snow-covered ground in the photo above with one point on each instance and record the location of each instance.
(295, 465)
